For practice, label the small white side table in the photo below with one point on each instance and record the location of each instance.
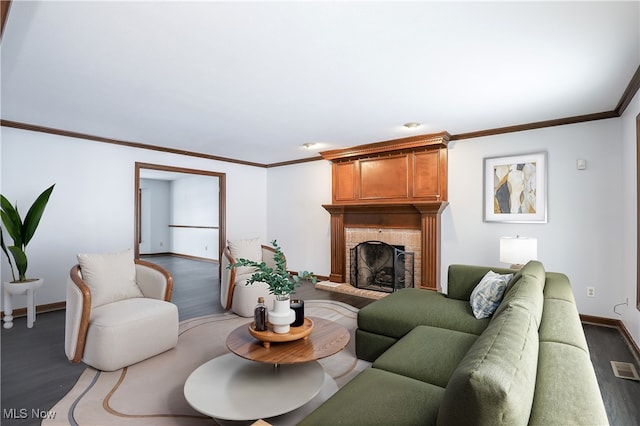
(10, 289)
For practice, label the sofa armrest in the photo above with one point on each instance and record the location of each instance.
(462, 279)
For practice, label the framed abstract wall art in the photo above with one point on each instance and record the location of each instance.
(515, 188)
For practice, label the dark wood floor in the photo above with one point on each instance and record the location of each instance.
(36, 373)
(621, 396)
(196, 289)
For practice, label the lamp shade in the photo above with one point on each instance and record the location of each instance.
(518, 250)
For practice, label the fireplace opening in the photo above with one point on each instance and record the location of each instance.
(379, 266)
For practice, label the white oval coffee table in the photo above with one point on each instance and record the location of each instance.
(254, 382)
(232, 388)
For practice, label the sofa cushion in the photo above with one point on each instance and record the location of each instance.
(249, 249)
(428, 354)
(110, 276)
(561, 323)
(401, 311)
(487, 295)
(369, 346)
(378, 397)
(526, 292)
(557, 286)
(495, 381)
(535, 270)
(568, 389)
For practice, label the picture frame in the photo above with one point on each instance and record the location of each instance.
(527, 203)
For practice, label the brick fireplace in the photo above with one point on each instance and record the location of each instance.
(394, 192)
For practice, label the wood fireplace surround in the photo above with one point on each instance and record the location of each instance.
(399, 184)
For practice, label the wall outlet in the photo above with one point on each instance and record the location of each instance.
(591, 292)
(581, 164)
(161, 243)
(206, 248)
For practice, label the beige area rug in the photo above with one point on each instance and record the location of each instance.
(151, 392)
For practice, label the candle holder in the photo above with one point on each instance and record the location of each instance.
(298, 307)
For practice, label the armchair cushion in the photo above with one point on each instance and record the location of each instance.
(111, 277)
(128, 331)
(250, 249)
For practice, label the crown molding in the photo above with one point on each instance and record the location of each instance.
(434, 140)
(71, 134)
(629, 93)
(537, 125)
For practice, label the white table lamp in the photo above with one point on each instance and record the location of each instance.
(518, 250)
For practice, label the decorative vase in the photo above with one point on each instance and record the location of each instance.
(281, 316)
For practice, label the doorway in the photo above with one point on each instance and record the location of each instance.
(185, 208)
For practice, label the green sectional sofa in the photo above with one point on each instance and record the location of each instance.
(434, 363)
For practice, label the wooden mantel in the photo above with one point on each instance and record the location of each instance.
(400, 183)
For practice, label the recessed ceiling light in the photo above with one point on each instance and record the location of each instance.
(411, 125)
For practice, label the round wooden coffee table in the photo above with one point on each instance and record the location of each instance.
(254, 382)
(326, 339)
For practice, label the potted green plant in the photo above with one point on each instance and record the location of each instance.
(281, 284)
(21, 232)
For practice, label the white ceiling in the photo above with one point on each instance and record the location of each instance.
(255, 80)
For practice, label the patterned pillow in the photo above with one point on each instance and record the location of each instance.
(486, 297)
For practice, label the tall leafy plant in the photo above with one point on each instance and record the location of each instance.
(21, 232)
(280, 282)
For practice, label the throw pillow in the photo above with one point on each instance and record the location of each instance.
(249, 249)
(110, 277)
(486, 296)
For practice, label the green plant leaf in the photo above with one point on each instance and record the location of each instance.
(34, 214)
(11, 220)
(20, 258)
(4, 249)
(21, 232)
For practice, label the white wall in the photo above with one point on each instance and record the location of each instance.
(188, 201)
(155, 211)
(92, 207)
(194, 202)
(582, 235)
(296, 218)
(629, 207)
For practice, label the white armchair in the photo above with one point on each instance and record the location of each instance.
(235, 293)
(112, 326)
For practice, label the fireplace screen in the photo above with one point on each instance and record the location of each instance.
(379, 266)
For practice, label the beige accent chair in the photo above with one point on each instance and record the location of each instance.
(235, 293)
(110, 325)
